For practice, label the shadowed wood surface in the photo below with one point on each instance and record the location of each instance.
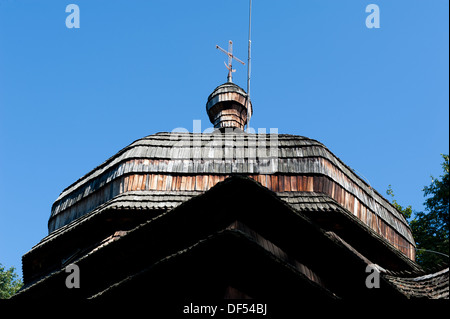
(217, 243)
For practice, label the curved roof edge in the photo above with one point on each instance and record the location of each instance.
(291, 149)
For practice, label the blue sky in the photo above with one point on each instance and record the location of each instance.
(71, 98)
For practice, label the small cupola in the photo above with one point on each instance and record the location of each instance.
(227, 106)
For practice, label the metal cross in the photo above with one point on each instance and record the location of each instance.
(229, 66)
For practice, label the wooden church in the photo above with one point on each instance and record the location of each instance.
(226, 215)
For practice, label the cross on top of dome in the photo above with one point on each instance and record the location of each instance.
(229, 66)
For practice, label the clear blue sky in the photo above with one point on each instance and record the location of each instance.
(71, 98)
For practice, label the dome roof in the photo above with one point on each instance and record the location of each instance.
(161, 165)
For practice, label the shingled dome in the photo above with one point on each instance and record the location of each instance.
(175, 165)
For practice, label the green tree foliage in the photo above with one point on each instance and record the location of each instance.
(430, 228)
(406, 212)
(9, 282)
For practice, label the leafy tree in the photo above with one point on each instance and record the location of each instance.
(406, 212)
(9, 282)
(431, 229)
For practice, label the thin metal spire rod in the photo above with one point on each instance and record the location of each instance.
(249, 64)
